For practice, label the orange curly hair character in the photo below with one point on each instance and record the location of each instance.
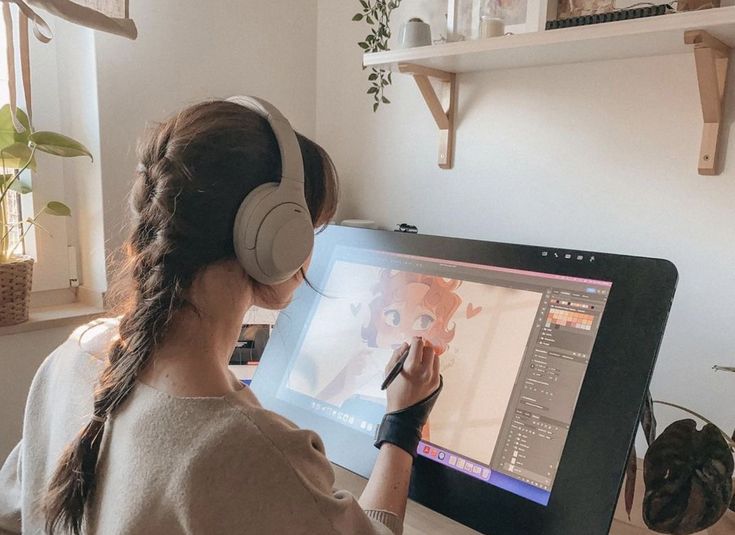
(412, 304)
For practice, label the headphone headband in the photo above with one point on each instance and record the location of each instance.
(292, 165)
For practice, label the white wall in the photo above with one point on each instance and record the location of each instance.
(80, 119)
(187, 51)
(20, 357)
(598, 156)
(49, 184)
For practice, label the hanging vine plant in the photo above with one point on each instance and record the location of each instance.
(376, 13)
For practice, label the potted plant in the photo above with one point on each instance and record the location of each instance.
(18, 154)
(688, 475)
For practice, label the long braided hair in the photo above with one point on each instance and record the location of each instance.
(195, 169)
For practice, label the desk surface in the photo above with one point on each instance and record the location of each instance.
(423, 521)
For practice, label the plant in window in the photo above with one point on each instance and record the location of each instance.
(376, 13)
(17, 155)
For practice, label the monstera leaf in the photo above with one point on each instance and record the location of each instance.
(688, 476)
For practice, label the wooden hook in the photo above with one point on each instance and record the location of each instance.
(712, 57)
(443, 108)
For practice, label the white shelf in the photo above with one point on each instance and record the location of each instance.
(654, 36)
(708, 34)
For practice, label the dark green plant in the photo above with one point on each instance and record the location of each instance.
(376, 13)
(688, 473)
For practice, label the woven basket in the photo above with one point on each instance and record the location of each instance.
(15, 290)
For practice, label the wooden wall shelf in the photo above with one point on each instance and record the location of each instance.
(654, 36)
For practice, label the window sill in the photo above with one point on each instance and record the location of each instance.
(55, 316)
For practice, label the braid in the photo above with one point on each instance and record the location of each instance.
(158, 294)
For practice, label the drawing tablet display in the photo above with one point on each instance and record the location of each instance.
(546, 355)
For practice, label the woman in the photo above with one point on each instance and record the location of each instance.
(135, 425)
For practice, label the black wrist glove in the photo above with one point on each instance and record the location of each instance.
(403, 428)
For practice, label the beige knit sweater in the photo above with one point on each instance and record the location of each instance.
(176, 465)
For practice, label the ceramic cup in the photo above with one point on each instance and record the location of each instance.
(415, 33)
(492, 27)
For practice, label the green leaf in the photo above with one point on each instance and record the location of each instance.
(8, 135)
(363, 45)
(369, 20)
(21, 185)
(58, 145)
(385, 100)
(375, 107)
(16, 155)
(373, 77)
(57, 208)
(372, 90)
(364, 4)
(357, 17)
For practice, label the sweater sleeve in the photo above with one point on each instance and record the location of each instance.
(10, 493)
(305, 453)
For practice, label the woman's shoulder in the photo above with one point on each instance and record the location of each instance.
(94, 338)
(272, 425)
(302, 449)
(78, 358)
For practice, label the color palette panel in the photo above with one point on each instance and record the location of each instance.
(568, 318)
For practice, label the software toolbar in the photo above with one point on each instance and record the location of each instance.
(542, 404)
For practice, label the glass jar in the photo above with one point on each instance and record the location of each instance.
(466, 19)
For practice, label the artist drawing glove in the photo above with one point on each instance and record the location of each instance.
(403, 427)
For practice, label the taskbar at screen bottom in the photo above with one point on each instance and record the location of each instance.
(484, 473)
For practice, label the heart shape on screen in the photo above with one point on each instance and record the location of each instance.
(472, 311)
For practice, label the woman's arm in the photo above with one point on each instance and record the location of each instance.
(10, 493)
(387, 488)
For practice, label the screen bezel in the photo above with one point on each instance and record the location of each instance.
(603, 428)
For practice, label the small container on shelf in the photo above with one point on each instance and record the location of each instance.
(491, 27)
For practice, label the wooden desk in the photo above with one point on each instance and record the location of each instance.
(423, 521)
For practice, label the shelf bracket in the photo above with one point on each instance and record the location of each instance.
(712, 57)
(442, 107)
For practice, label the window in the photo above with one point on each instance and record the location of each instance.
(12, 200)
(14, 213)
(49, 249)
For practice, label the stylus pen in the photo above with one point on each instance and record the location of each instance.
(397, 367)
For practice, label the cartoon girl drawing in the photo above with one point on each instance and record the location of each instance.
(411, 304)
(404, 305)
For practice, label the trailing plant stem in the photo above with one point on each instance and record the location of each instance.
(730, 441)
(376, 13)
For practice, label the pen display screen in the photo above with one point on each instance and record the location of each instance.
(514, 351)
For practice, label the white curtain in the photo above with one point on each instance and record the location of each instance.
(104, 15)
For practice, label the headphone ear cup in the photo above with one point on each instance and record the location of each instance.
(272, 236)
(285, 241)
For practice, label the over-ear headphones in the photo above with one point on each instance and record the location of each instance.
(273, 233)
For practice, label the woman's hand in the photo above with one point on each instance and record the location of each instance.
(419, 377)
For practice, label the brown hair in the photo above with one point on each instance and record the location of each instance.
(195, 169)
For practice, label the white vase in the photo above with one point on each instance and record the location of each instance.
(415, 33)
